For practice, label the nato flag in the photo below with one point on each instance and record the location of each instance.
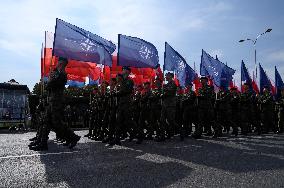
(218, 71)
(173, 59)
(73, 83)
(135, 52)
(185, 75)
(263, 80)
(78, 44)
(278, 83)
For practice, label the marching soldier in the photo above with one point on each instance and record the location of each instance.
(223, 110)
(205, 105)
(245, 109)
(93, 113)
(267, 110)
(123, 116)
(145, 111)
(169, 106)
(111, 109)
(280, 112)
(55, 109)
(235, 108)
(155, 106)
(188, 106)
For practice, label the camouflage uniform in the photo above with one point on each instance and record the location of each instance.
(280, 113)
(123, 116)
(223, 110)
(205, 105)
(235, 111)
(267, 112)
(155, 115)
(55, 108)
(144, 118)
(93, 116)
(169, 108)
(245, 111)
(188, 106)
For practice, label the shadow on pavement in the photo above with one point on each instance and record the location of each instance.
(157, 164)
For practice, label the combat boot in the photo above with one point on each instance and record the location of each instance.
(33, 139)
(74, 141)
(39, 147)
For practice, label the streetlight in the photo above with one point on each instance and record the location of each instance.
(254, 44)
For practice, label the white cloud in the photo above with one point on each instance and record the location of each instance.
(276, 56)
(217, 52)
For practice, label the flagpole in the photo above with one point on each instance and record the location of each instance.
(42, 69)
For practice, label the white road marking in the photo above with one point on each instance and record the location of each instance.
(37, 154)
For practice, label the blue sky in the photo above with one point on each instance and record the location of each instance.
(187, 25)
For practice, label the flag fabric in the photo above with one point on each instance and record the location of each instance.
(78, 44)
(220, 73)
(73, 83)
(136, 52)
(185, 75)
(76, 78)
(245, 78)
(264, 80)
(175, 62)
(93, 82)
(49, 61)
(42, 62)
(278, 82)
(172, 59)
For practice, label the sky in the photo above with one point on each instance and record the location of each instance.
(187, 25)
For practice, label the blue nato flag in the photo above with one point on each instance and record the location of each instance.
(263, 80)
(78, 44)
(136, 52)
(175, 62)
(221, 74)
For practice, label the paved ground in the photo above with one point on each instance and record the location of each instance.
(253, 161)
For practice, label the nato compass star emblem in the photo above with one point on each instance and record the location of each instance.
(145, 52)
(87, 44)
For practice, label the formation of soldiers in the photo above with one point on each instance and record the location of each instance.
(49, 112)
(158, 112)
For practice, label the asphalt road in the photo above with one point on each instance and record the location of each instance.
(251, 161)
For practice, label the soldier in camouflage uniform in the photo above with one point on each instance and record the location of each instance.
(235, 110)
(267, 110)
(155, 106)
(38, 117)
(123, 116)
(111, 109)
(102, 112)
(280, 113)
(245, 109)
(93, 113)
(55, 109)
(144, 118)
(169, 106)
(222, 111)
(205, 105)
(178, 115)
(136, 103)
(188, 106)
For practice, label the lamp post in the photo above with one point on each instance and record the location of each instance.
(254, 44)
